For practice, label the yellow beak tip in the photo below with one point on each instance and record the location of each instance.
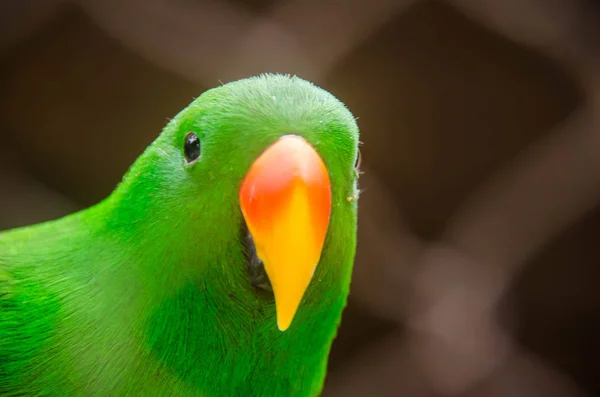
(282, 327)
(283, 322)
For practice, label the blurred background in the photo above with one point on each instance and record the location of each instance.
(477, 271)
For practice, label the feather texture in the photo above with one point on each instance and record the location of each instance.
(148, 293)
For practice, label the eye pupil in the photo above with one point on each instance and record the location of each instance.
(191, 148)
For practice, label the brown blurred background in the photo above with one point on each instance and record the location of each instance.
(478, 270)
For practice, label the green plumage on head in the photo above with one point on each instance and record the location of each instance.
(180, 281)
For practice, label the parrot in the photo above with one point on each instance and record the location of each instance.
(219, 265)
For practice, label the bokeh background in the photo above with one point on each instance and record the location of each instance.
(478, 266)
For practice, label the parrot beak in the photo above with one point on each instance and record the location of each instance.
(286, 202)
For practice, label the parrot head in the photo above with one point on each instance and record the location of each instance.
(262, 182)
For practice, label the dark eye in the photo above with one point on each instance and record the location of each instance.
(191, 148)
(358, 161)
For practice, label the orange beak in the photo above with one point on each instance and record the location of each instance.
(286, 202)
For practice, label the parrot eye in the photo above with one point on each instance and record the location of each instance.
(358, 161)
(191, 148)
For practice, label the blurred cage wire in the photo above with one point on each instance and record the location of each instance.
(449, 323)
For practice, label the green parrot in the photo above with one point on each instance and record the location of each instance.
(219, 266)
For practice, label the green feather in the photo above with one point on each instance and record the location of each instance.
(148, 293)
